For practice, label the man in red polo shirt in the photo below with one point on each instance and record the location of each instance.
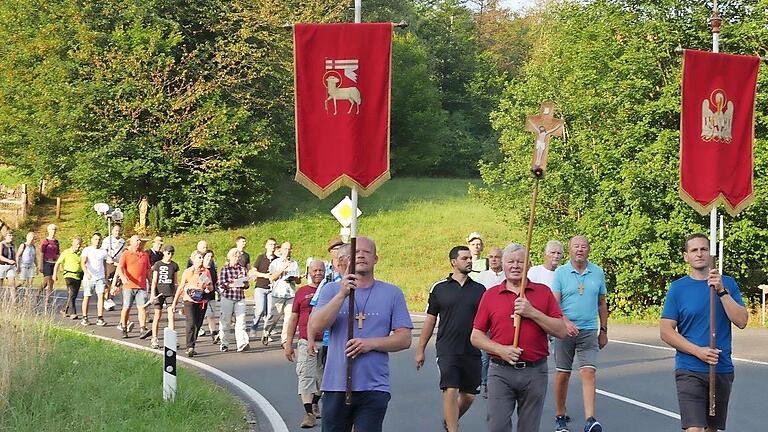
(133, 270)
(517, 377)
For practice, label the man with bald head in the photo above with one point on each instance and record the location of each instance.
(545, 273)
(133, 271)
(308, 369)
(284, 274)
(382, 325)
(579, 287)
(517, 376)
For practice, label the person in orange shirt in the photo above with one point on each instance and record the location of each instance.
(133, 270)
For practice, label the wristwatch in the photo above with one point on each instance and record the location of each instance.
(722, 293)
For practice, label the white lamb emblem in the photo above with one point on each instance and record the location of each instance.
(352, 94)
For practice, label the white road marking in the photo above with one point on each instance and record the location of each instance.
(640, 404)
(269, 411)
(756, 362)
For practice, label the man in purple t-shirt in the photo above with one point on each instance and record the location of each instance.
(383, 325)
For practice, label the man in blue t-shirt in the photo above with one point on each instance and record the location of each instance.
(383, 325)
(685, 326)
(579, 287)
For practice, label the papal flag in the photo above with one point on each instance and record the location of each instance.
(342, 82)
(717, 130)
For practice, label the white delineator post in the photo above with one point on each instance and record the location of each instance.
(169, 365)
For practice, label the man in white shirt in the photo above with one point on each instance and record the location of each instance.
(93, 260)
(284, 274)
(495, 273)
(545, 273)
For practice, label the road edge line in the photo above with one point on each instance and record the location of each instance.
(637, 403)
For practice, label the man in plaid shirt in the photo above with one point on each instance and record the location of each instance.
(232, 285)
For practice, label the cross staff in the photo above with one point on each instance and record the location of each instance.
(544, 126)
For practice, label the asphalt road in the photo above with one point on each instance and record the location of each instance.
(635, 383)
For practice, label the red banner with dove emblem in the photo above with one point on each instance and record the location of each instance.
(342, 83)
(717, 130)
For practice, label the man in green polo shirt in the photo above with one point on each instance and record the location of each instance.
(69, 262)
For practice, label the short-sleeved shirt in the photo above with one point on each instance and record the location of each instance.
(456, 305)
(284, 286)
(479, 265)
(69, 261)
(496, 312)
(28, 254)
(384, 312)
(245, 259)
(581, 309)
(154, 256)
(542, 275)
(262, 266)
(302, 306)
(94, 261)
(135, 267)
(166, 274)
(50, 250)
(489, 278)
(114, 247)
(687, 302)
(197, 280)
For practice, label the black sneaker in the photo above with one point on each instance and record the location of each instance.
(125, 334)
(223, 348)
(592, 425)
(145, 333)
(215, 337)
(561, 423)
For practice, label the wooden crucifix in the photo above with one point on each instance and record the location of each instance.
(360, 317)
(544, 126)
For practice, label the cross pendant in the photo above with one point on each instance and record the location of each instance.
(360, 317)
(581, 289)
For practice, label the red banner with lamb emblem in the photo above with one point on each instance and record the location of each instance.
(342, 84)
(717, 130)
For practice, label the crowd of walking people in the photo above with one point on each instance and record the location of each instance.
(493, 338)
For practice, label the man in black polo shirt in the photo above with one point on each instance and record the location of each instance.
(455, 299)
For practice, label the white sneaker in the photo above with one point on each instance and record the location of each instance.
(85, 322)
(130, 326)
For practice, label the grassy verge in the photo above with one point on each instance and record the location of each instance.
(68, 381)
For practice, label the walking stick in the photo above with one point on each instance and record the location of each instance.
(351, 298)
(544, 126)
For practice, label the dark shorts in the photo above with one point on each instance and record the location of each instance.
(366, 413)
(48, 268)
(160, 300)
(463, 372)
(693, 396)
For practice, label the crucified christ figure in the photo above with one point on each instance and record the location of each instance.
(544, 126)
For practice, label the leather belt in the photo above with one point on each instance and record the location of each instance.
(519, 365)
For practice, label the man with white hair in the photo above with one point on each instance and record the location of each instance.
(545, 273)
(232, 285)
(517, 377)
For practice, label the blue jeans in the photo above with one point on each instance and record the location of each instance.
(262, 306)
(366, 412)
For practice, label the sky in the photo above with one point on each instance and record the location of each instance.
(517, 4)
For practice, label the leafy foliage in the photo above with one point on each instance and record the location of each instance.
(610, 68)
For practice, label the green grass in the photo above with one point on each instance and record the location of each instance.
(84, 384)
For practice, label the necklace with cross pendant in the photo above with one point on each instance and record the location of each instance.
(360, 317)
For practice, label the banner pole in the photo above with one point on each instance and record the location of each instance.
(715, 21)
(351, 298)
